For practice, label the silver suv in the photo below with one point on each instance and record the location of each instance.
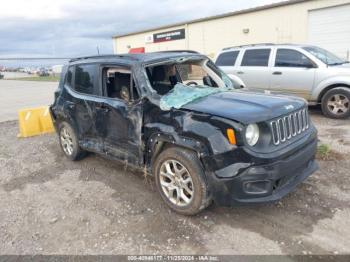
(300, 70)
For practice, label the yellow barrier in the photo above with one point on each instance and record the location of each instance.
(35, 121)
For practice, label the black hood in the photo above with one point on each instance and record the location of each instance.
(246, 107)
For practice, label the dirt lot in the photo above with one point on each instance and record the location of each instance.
(50, 205)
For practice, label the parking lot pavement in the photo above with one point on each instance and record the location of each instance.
(15, 95)
(9, 75)
(50, 205)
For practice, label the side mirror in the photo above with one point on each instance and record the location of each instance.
(310, 66)
(237, 82)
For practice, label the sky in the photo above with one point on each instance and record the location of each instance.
(71, 28)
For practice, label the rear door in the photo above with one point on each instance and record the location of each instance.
(254, 68)
(80, 102)
(293, 73)
(120, 115)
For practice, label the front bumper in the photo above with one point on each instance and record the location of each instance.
(265, 182)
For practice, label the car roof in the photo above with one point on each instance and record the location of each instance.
(136, 58)
(264, 45)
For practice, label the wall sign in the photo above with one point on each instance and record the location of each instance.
(169, 36)
(148, 39)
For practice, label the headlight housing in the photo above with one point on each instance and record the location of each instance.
(252, 134)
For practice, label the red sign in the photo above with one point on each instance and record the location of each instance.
(137, 50)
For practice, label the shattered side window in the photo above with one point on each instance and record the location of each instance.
(180, 83)
(117, 82)
(191, 72)
(228, 82)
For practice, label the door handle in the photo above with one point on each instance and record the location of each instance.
(103, 108)
(240, 72)
(277, 73)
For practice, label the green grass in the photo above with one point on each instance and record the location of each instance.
(323, 151)
(38, 78)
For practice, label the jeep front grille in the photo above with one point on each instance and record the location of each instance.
(289, 126)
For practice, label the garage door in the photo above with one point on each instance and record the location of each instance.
(330, 29)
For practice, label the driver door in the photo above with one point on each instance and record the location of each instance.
(293, 73)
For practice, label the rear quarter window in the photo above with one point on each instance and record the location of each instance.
(227, 58)
(69, 77)
(256, 57)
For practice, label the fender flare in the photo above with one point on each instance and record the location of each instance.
(65, 117)
(189, 143)
(327, 84)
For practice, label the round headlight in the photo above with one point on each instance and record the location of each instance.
(252, 134)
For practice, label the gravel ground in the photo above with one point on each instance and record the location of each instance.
(50, 205)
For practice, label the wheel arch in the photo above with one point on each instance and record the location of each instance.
(59, 120)
(326, 89)
(159, 142)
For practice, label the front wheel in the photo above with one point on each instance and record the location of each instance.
(336, 103)
(181, 181)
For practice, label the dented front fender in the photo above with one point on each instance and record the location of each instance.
(202, 133)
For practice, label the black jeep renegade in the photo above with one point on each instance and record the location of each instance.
(177, 116)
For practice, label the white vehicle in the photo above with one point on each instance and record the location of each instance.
(300, 70)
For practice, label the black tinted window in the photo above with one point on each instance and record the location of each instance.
(227, 58)
(256, 57)
(291, 58)
(85, 78)
(69, 77)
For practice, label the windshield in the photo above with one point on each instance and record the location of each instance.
(195, 73)
(324, 55)
(179, 83)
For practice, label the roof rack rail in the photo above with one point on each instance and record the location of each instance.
(98, 56)
(178, 51)
(260, 44)
(87, 57)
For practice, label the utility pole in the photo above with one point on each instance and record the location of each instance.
(98, 50)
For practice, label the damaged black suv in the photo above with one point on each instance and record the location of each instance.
(176, 116)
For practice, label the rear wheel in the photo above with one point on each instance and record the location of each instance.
(180, 181)
(69, 142)
(336, 103)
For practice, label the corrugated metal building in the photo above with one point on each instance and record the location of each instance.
(321, 22)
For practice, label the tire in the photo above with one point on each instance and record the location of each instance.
(183, 164)
(336, 103)
(69, 142)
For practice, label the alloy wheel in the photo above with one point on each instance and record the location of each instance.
(338, 104)
(176, 183)
(66, 141)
